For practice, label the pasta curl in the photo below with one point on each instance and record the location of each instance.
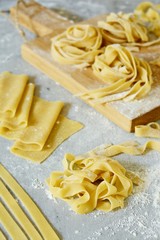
(122, 28)
(150, 130)
(123, 72)
(149, 14)
(78, 45)
(92, 182)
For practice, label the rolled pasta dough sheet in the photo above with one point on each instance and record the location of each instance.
(42, 118)
(11, 90)
(21, 117)
(62, 130)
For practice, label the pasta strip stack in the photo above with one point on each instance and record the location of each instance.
(95, 180)
(92, 182)
(34, 123)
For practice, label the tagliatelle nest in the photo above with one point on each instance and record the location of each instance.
(78, 45)
(149, 14)
(122, 28)
(123, 72)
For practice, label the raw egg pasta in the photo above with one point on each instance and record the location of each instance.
(89, 183)
(123, 73)
(78, 45)
(150, 130)
(11, 85)
(34, 123)
(122, 28)
(20, 216)
(149, 14)
(20, 120)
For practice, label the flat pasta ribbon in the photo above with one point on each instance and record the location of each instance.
(78, 45)
(21, 117)
(149, 14)
(122, 28)
(89, 183)
(123, 72)
(131, 148)
(35, 135)
(150, 130)
(8, 88)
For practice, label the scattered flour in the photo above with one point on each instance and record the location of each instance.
(37, 184)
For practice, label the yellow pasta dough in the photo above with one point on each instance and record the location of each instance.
(36, 126)
(33, 224)
(150, 130)
(11, 85)
(18, 213)
(20, 120)
(11, 226)
(43, 116)
(149, 14)
(122, 28)
(123, 72)
(62, 130)
(2, 236)
(89, 183)
(78, 45)
(131, 148)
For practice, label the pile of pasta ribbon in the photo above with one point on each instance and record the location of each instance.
(85, 45)
(149, 14)
(122, 28)
(78, 45)
(34, 123)
(93, 182)
(123, 73)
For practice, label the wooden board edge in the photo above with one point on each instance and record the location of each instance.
(152, 116)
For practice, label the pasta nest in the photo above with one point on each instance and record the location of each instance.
(122, 28)
(93, 182)
(78, 45)
(123, 72)
(149, 14)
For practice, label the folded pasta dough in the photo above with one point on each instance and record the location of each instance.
(12, 87)
(78, 45)
(91, 183)
(20, 120)
(149, 14)
(123, 72)
(43, 116)
(122, 28)
(150, 130)
(62, 130)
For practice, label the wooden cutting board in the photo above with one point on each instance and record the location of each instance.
(46, 24)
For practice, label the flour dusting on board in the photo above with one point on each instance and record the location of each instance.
(136, 108)
(132, 109)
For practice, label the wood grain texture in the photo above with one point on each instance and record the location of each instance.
(38, 19)
(37, 53)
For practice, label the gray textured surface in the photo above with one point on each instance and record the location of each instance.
(140, 219)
